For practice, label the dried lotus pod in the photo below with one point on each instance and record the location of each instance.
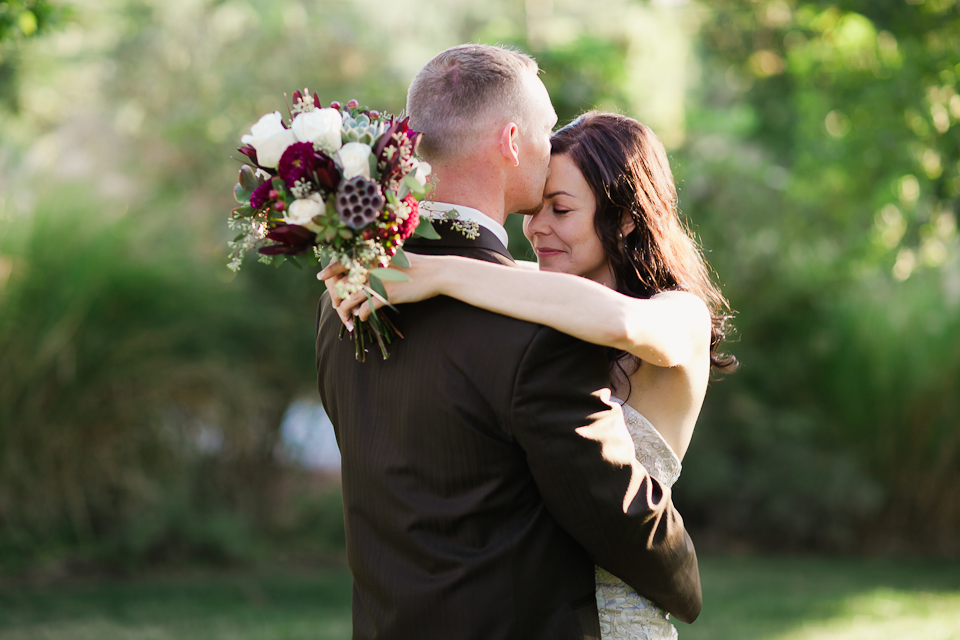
(359, 202)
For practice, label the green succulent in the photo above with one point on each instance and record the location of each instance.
(361, 129)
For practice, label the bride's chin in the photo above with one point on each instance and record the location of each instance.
(546, 264)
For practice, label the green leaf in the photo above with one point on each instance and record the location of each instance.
(248, 178)
(377, 285)
(293, 260)
(325, 259)
(401, 259)
(241, 194)
(391, 275)
(413, 186)
(403, 190)
(239, 237)
(378, 291)
(243, 212)
(425, 230)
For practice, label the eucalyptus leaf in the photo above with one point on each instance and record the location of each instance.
(403, 190)
(377, 285)
(425, 230)
(243, 212)
(413, 186)
(248, 178)
(381, 295)
(391, 275)
(401, 259)
(293, 260)
(241, 194)
(325, 260)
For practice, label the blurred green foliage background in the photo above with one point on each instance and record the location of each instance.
(817, 151)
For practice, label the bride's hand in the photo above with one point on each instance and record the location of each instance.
(423, 283)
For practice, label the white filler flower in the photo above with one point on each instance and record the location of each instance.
(354, 159)
(320, 126)
(302, 212)
(270, 139)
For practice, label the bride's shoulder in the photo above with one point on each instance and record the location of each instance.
(530, 266)
(688, 306)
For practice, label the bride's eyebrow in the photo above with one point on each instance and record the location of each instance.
(557, 193)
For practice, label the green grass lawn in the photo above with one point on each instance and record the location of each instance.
(744, 599)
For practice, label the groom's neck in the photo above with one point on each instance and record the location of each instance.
(471, 187)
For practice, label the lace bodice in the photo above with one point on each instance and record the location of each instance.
(624, 614)
(653, 452)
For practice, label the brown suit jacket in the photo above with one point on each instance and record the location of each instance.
(484, 475)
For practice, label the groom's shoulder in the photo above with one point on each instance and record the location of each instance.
(447, 327)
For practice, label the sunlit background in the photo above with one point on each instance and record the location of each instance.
(165, 470)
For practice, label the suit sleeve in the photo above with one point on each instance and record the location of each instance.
(582, 458)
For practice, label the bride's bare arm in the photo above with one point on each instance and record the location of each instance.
(670, 329)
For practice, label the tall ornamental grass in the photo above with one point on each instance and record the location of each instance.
(141, 392)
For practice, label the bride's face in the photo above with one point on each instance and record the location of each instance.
(562, 232)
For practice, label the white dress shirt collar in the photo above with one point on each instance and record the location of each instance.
(436, 209)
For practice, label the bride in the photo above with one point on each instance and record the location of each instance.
(610, 217)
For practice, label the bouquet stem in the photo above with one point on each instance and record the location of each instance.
(378, 329)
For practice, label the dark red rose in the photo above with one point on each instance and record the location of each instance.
(292, 239)
(325, 172)
(408, 226)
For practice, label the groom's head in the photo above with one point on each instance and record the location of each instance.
(480, 104)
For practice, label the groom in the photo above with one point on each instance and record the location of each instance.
(484, 470)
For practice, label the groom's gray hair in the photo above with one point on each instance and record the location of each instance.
(461, 90)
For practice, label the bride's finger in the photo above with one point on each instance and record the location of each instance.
(332, 269)
(364, 311)
(330, 283)
(346, 308)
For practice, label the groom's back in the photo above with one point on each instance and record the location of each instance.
(448, 535)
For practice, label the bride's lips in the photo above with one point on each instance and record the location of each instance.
(547, 252)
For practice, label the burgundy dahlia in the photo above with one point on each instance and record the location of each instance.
(261, 195)
(302, 162)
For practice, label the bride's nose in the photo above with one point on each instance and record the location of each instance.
(535, 225)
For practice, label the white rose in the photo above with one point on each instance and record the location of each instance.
(423, 170)
(270, 139)
(303, 211)
(319, 126)
(267, 126)
(354, 159)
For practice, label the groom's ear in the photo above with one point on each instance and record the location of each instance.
(510, 143)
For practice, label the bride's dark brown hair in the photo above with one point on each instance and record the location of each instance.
(627, 169)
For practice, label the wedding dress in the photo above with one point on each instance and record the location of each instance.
(624, 614)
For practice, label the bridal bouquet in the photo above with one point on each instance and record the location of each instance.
(341, 183)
